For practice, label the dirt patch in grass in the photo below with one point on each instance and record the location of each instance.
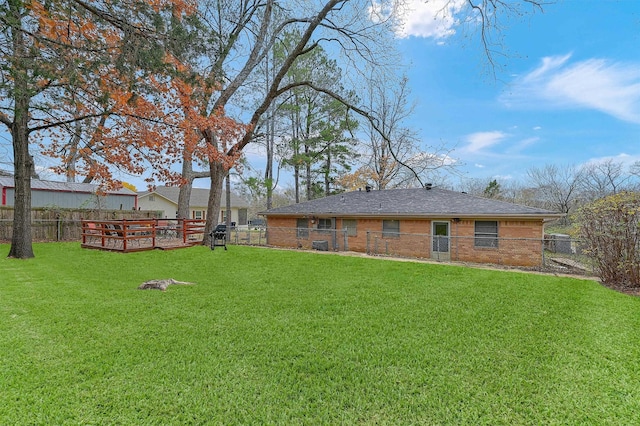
(624, 288)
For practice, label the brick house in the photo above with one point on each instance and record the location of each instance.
(424, 223)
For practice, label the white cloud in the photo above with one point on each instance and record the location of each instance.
(502, 177)
(527, 142)
(599, 84)
(623, 158)
(431, 158)
(549, 64)
(429, 19)
(480, 140)
(480, 166)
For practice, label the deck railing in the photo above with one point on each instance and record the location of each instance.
(140, 234)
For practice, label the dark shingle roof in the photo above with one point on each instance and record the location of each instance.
(416, 202)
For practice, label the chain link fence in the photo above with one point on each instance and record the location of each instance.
(248, 236)
(309, 238)
(554, 253)
(559, 254)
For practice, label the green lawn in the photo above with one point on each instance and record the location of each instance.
(283, 337)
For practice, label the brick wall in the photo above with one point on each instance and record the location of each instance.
(519, 241)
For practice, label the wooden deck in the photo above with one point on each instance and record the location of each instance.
(140, 235)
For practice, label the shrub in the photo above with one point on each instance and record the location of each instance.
(610, 228)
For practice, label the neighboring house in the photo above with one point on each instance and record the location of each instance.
(425, 223)
(69, 195)
(164, 200)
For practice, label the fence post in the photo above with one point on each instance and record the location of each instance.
(368, 251)
(124, 235)
(346, 239)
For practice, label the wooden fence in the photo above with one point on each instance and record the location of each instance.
(64, 224)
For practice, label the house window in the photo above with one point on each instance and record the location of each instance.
(350, 226)
(325, 224)
(152, 197)
(302, 228)
(198, 214)
(486, 233)
(390, 228)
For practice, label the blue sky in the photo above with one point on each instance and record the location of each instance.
(568, 90)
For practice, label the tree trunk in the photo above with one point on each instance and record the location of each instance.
(268, 171)
(184, 196)
(327, 173)
(183, 199)
(228, 205)
(296, 180)
(21, 245)
(218, 174)
(71, 160)
(296, 154)
(307, 165)
(270, 138)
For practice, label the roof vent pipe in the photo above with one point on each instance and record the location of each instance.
(428, 186)
(368, 188)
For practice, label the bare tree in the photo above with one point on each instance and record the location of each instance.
(472, 186)
(391, 143)
(557, 187)
(488, 19)
(603, 178)
(634, 178)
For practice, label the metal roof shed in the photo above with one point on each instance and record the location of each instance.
(69, 195)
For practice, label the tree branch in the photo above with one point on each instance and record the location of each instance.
(365, 114)
(65, 122)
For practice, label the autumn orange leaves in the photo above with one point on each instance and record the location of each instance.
(117, 99)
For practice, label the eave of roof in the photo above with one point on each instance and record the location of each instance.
(416, 216)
